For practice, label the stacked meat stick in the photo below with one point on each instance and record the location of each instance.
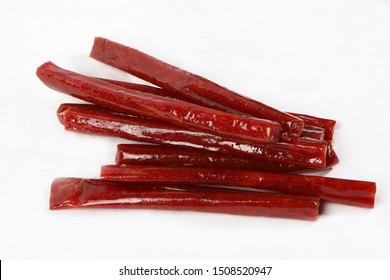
(209, 144)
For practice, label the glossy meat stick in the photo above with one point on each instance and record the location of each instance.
(161, 108)
(96, 120)
(94, 193)
(315, 130)
(352, 192)
(181, 82)
(158, 91)
(141, 154)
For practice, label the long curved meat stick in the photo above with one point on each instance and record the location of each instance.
(162, 108)
(352, 192)
(316, 131)
(96, 120)
(94, 193)
(183, 83)
(158, 91)
(141, 154)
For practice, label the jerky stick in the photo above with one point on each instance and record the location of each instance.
(352, 192)
(93, 193)
(161, 108)
(96, 120)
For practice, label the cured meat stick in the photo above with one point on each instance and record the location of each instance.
(94, 193)
(352, 192)
(141, 154)
(308, 131)
(183, 83)
(96, 120)
(158, 91)
(161, 108)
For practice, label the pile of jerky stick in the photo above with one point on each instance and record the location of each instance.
(208, 143)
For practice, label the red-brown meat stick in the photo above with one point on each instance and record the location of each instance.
(93, 193)
(95, 120)
(352, 192)
(161, 108)
(314, 127)
(158, 91)
(183, 83)
(141, 154)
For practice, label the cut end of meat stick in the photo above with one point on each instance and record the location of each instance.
(65, 193)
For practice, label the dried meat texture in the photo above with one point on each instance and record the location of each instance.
(94, 193)
(352, 192)
(178, 112)
(96, 120)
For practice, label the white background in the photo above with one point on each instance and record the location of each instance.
(326, 58)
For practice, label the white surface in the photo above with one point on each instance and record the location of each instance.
(328, 58)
